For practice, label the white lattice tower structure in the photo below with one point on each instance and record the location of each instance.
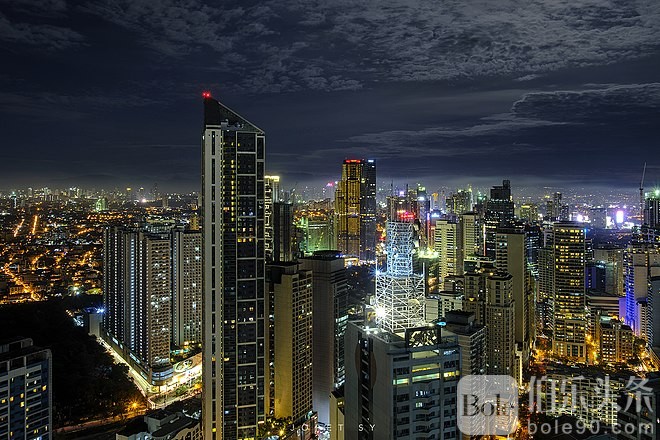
(399, 292)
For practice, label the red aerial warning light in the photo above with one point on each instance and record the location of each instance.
(206, 95)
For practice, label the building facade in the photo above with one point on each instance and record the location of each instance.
(330, 316)
(355, 208)
(26, 402)
(233, 204)
(569, 320)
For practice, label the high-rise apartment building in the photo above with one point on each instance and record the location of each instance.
(187, 287)
(510, 257)
(447, 244)
(569, 320)
(292, 361)
(138, 298)
(233, 204)
(26, 402)
(471, 234)
(500, 324)
(355, 208)
(330, 316)
(615, 341)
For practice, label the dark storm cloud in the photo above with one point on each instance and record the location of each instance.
(276, 45)
(44, 36)
(441, 90)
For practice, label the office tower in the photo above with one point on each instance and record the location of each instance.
(292, 361)
(511, 258)
(399, 299)
(330, 315)
(355, 207)
(500, 204)
(460, 202)
(569, 316)
(472, 234)
(138, 298)
(652, 209)
(271, 195)
(283, 232)
(26, 402)
(400, 386)
(615, 341)
(641, 263)
(529, 212)
(186, 287)
(449, 248)
(471, 337)
(501, 324)
(234, 284)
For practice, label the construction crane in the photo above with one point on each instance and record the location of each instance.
(641, 195)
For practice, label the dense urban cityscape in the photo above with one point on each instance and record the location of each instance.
(329, 220)
(250, 311)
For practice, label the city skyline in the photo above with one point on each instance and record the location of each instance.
(431, 93)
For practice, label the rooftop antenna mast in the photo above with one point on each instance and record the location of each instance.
(641, 195)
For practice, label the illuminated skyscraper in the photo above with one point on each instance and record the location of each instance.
(233, 153)
(138, 299)
(399, 299)
(292, 360)
(186, 287)
(448, 246)
(472, 236)
(271, 196)
(641, 264)
(355, 207)
(569, 313)
(401, 386)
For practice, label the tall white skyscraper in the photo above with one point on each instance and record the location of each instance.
(234, 274)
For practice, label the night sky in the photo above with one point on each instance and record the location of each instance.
(107, 93)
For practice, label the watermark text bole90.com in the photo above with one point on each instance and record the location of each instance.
(488, 404)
